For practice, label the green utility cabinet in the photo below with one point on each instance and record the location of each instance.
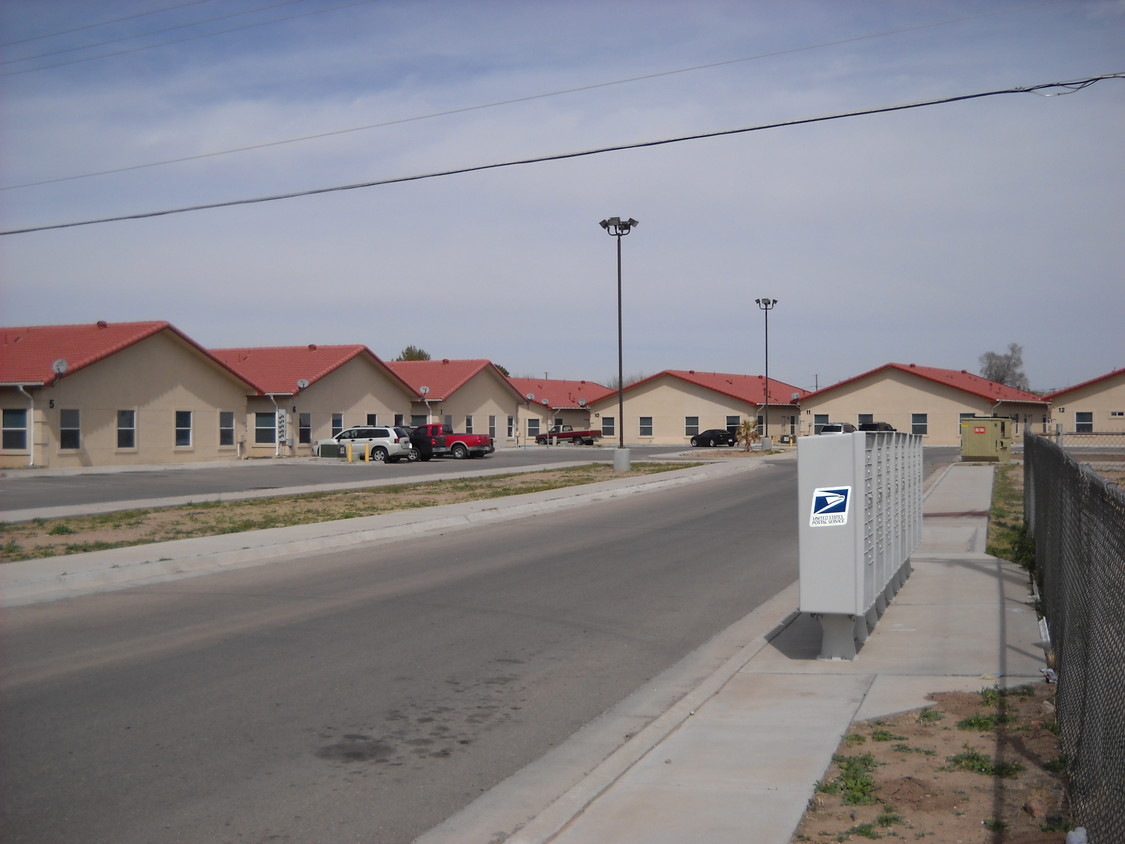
(986, 439)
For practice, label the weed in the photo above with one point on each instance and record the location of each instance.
(888, 817)
(1056, 765)
(929, 715)
(864, 830)
(855, 738)
(995, 825)
(983, 722)
(885, 735)
(977, 763)
(855, 780)
(906, 748)
(61, 529)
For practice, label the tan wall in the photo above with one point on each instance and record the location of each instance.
(356, 389)
(155, 378)
(895, 396)
(669, 401)
(1103, 399)
(483, 396)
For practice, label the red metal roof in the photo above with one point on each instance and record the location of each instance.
(277, 369)
(443, 377)
(1084, 384)
(560, 393)
(30, 353)
(746, 388)
(957, 379)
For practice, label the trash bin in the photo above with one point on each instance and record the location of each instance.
(986, 439)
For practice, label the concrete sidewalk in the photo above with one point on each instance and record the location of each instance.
(737, 759)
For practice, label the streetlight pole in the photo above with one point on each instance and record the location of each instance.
(767, 305)
(616, 227)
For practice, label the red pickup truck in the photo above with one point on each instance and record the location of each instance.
(440, 440)
(565, 433)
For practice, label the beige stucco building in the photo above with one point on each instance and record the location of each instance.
(116, 394)
(309, 393)
(669, 408)
(471, 395)
(546, 402)
(921, 400)
(1096, 406)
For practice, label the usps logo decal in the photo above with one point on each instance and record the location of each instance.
(830, 506)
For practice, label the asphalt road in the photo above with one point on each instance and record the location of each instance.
(368, 695)
(32, 489)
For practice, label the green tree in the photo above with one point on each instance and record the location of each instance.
(1006, 369)
(413, 353)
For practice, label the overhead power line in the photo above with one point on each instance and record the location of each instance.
(1047, 89)
(516, 100)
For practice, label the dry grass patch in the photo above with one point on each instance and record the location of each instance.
(74, 535)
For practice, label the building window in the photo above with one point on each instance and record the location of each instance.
(468, 424)
(15, 429)
(865, 418)
(1116, 414)
(304, 428)
(645, 428)
(416, 420)
(400, 419)
(819, 421)
(920, 424)
(226, 428)
(609, 427)
(337, 423)
(372, 418)
(511, 426)
(1083, 422)
(532, 428)
(183, 428)
(265, 428)
(448, 420)
(492, 426)
(70, 429)
(733, 422)
(691, 426)
(126, 429)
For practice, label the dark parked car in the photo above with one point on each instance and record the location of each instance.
(875, 426)
(713, 436)
(837, 428)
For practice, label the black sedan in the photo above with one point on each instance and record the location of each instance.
(713, 436)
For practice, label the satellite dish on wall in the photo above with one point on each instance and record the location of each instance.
(794, 396)
(423, 389)
(59, 366)
(302, 383)
(582, 402)
(530, 397)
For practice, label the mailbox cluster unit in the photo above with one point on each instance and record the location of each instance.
(860, 511)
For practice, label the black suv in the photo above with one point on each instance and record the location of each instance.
(875, 426)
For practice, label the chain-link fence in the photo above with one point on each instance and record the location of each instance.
(1102, 452)
(1077, 520)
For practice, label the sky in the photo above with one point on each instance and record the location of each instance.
(928, 235)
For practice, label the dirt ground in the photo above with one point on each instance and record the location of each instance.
(973, 767)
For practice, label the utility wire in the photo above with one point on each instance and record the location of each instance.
(515, 100)
(1044, 89)
(186, 38)
(170, 28)
(84, 27)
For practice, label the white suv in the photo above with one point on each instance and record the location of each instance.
(383, 443)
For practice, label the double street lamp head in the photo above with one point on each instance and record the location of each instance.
(618, 227)
(766, 304)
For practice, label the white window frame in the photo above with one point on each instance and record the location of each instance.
(130, 429)
(179, 429)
